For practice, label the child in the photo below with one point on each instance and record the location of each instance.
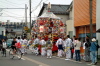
(43, 49)
(4, 46)
(49, 51)
(49, 48)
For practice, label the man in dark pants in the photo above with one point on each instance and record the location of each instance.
(87, 51)
(72, 46)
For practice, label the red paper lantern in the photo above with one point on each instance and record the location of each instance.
(61, 23)
(41, 22)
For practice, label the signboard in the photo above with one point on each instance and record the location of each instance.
(25, 28)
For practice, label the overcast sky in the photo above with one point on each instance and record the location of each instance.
(18, 15)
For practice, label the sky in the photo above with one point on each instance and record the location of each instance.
(18, 15)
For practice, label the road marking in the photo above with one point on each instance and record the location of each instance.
(40, 65)
(34, 61)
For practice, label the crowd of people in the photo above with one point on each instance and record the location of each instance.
(66, 47)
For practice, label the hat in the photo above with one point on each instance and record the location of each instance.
(93, 39)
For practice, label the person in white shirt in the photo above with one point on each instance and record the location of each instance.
(36, 44)
(25, 42)
(43, 49)
(36, 41)
(18, 40)
(4, 46)
(77, 49)
(84, 42)
(68, 43)
(60, 45)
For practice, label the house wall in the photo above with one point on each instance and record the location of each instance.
(70, 23)
(98, 21)
(82, 14)
(63, 17)
(69, 27)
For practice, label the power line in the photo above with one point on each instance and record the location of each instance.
(7, 3)
(37, 6)
(13, 16)
(12, 13)
(17, 17)
(12, 8)
(15, 3)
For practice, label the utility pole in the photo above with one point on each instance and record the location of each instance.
(26, 14)
(90, 7)
(30, 14)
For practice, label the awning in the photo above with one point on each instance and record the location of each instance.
(98, 30)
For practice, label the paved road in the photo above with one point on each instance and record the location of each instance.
(33, 60)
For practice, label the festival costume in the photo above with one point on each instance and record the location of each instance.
(68, 43)
(36, 44)
(24, 44)
(60, 45)
(43, 49)
(49, 49)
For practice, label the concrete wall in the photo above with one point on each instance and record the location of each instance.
(69, 26)
(63, 17)
(70, 22)
(74, 32)
(98, 21)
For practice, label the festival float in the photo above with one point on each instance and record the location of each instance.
(49, 25)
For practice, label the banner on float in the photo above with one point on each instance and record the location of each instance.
(41, 28)
(62, 30)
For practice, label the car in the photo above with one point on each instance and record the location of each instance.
(9, 42)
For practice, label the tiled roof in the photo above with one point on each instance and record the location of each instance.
(56, 9)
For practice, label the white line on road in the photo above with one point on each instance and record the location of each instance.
(34, 61)
(40, 65)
